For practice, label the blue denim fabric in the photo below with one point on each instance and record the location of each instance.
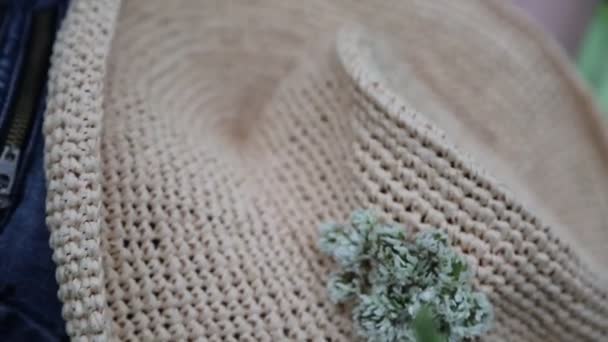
(29, 307)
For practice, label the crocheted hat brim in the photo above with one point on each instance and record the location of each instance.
(193, 147)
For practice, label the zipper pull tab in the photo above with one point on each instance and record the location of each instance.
(9, 160)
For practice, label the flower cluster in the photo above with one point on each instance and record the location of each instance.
(393, 281)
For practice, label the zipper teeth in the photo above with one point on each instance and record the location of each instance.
(5, 65)
(18, 130)
(34, 67)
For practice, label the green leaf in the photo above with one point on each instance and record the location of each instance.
(426, 327)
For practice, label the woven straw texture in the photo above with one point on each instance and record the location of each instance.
(193, 148)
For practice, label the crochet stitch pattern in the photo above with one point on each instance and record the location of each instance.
(193, 147)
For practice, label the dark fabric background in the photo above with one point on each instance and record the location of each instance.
(29, 307)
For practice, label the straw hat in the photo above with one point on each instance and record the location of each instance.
(193, 148)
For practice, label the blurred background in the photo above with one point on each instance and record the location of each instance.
(581, 28)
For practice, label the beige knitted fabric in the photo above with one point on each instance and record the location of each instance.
(193, 147)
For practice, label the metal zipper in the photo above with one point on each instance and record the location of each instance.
(16, 130)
